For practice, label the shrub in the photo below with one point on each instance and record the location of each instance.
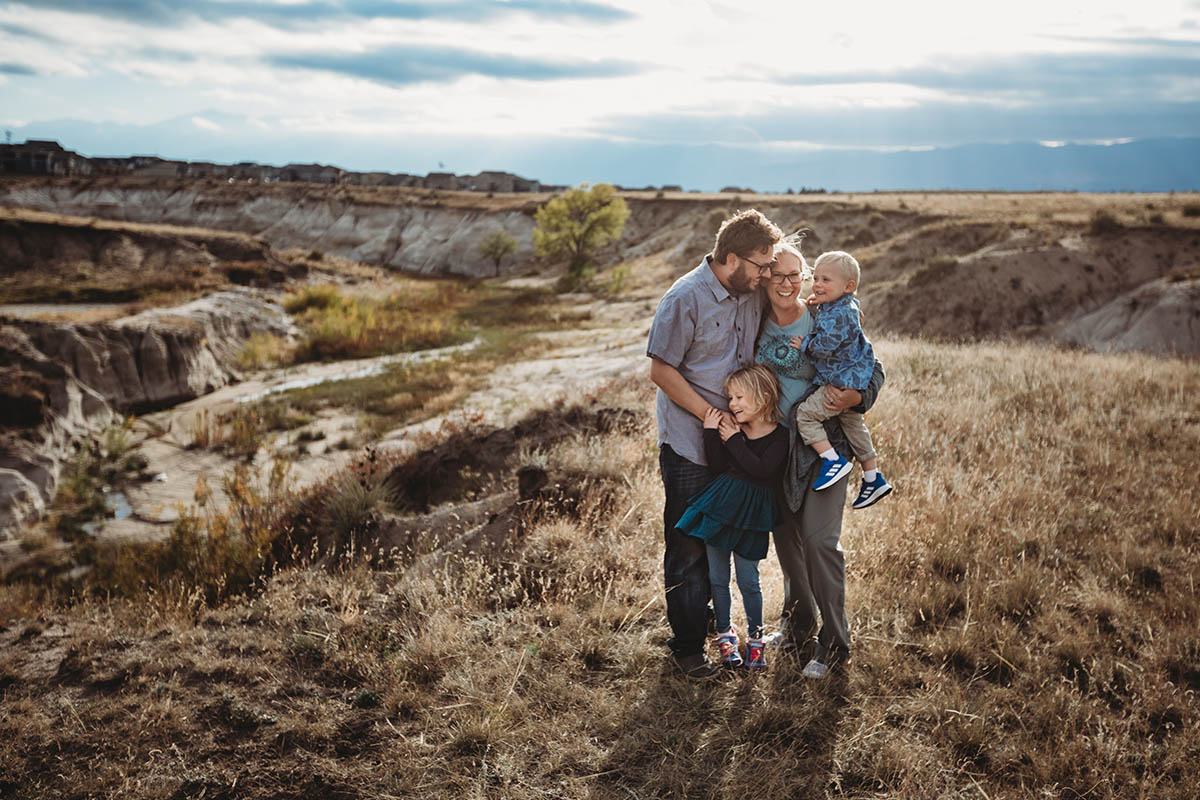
(262, 350)
(211, 553)
(714, 219)
(348, 326)
(105, 461)
(312, 297)
(618, 279)
(348, 510)
(497, 246)
(1191, 210)
(1103, 223)
(577, 222)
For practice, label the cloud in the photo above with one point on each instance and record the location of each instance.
(156, 12)
(1063, 76)
(928, 124)
(10, 68)
(27, 33)
(205, 124)
(1150, 42)
(401, 65)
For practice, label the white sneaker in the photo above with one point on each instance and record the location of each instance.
(815, 669)
(777, 641)
(824, 660)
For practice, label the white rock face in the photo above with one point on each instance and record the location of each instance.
(1161, 318)
(416, 238)
(61, 382)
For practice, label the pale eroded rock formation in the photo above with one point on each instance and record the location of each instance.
(60, 382)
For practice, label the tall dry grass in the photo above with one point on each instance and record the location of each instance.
(1023, 609)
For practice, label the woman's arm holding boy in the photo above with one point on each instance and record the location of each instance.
(839, 399)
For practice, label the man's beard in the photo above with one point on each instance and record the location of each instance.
(740, 281)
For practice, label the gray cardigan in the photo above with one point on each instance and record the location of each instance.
(798, 473)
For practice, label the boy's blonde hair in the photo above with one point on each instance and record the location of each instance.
(763, 387)
(843, 262)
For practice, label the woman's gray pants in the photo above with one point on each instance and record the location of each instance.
(814, 570)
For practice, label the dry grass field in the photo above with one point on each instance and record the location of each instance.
(1023, 607)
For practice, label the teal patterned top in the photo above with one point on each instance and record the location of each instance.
(792, 367)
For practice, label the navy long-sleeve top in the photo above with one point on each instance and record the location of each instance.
(759, 461)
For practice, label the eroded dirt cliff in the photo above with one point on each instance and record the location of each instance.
(59, 382)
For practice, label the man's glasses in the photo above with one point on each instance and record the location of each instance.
(761, 267)
(794, 278)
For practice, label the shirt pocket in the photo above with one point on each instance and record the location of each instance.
(713, 340)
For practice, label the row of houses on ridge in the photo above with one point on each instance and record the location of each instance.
(45, 157)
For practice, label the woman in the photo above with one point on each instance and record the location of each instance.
(807, 540)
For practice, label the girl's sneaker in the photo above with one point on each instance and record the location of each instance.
(728, 643)
(756, 654)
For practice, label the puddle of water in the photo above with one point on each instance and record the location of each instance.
(118, 508)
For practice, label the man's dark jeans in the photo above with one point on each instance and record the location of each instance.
(685, 562)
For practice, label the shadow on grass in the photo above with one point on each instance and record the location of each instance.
(768, 735)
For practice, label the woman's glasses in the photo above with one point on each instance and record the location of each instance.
(794, 278)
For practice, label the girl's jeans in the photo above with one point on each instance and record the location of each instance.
(747, 581)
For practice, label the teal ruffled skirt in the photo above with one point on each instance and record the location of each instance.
(733, 515)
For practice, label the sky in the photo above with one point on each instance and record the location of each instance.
(630, 91)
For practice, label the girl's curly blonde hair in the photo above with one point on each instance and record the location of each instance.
(761, 385)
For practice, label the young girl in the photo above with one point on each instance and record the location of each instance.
(736, 511)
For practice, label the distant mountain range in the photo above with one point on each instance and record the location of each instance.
(1143, 165)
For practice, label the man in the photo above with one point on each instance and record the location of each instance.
(704, 329)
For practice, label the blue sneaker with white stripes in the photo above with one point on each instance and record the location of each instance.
(830, 473)
(872, 492)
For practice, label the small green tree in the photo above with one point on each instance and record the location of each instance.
(497, 246)
(578, 221)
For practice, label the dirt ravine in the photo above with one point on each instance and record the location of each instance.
(62, 382)
(581, 362)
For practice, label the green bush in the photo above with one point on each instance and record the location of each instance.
(577, 222)
(341, 326)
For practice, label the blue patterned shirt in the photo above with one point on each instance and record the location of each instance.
(837, 347)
